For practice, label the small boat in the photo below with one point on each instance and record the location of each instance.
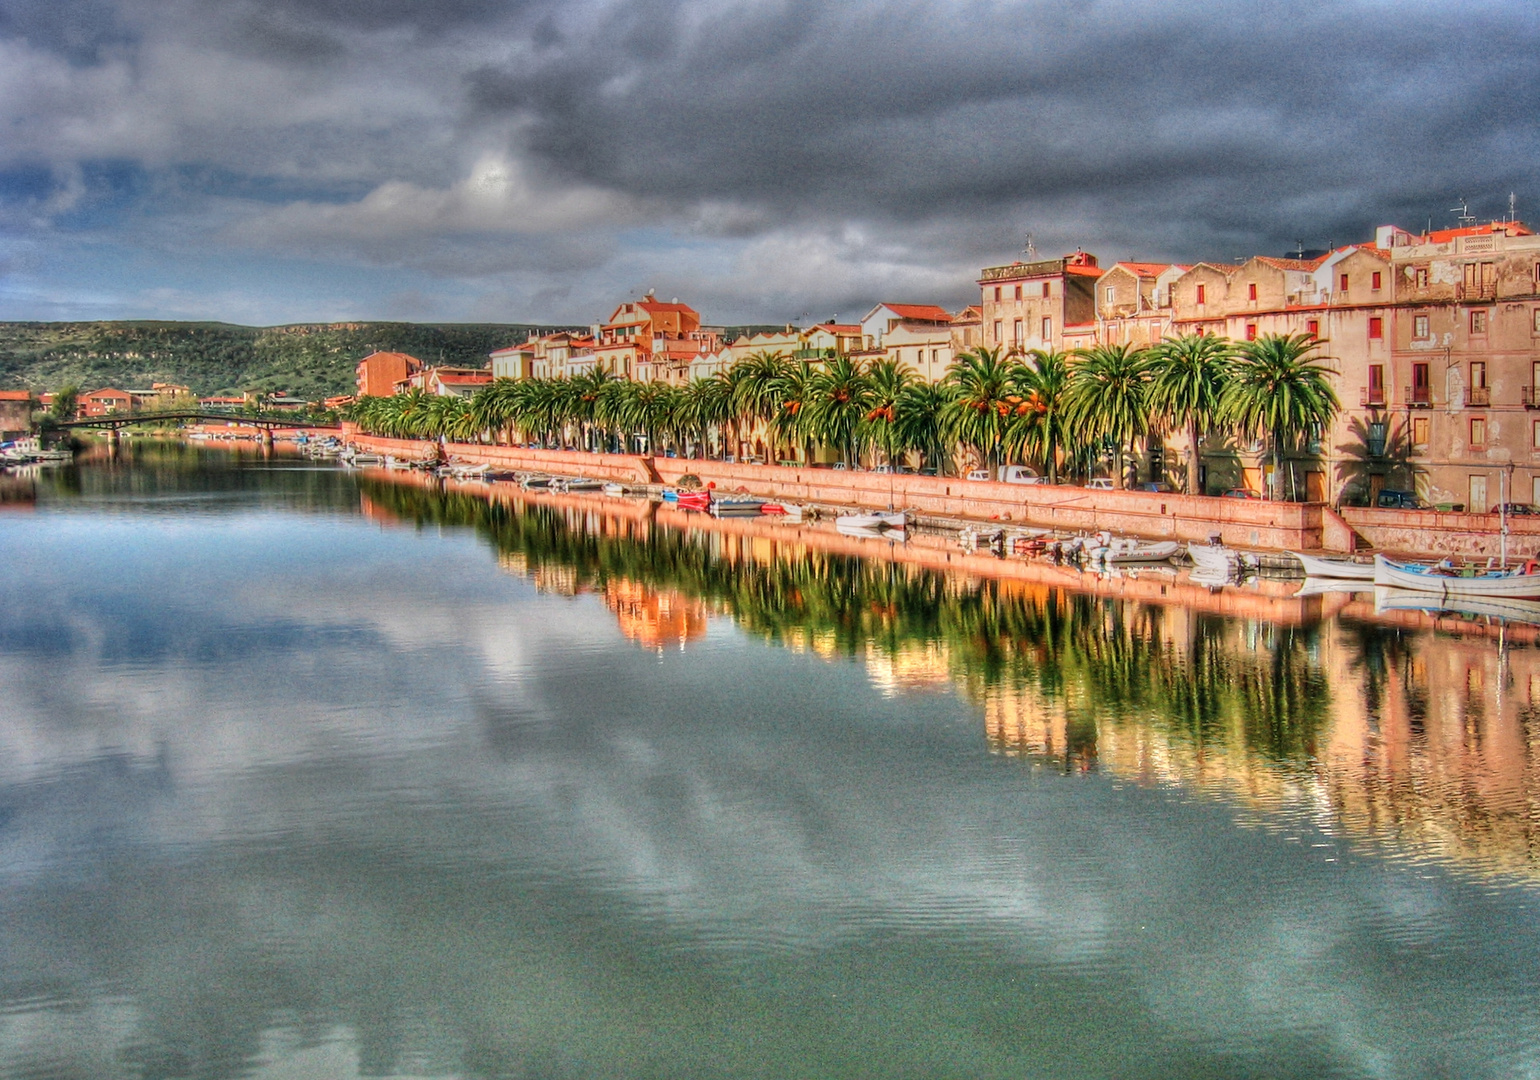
(1387, 598)
(877, 519)
(366, 459)
(693, 500)
(670, 494)
(1445, 580)
(1318, 567)
(1218, 559)
(871, 532)
(535, 480)
(736, 507)
(1135, 551)
(582, 483)
(615, 490)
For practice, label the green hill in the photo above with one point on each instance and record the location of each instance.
(309, 360)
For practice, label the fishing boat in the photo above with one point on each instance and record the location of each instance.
(876, 519)
(1445, 580)
(1318, 567)
(736, 507)
(1492, 607)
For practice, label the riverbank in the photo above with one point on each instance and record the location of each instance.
(1252, 524)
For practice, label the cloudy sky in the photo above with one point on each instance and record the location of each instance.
(267, 161)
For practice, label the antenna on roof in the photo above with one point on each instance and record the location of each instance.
(1030, 251)
(1300, 244)
(1464, 211)
(1512, 217)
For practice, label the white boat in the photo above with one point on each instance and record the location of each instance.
(1136, 551)
(1446, 581)
(615, 490)
(876, 519)
(582, 483)
(736, 507)
(1317, 567)
(366, 459)
(1493, 607)
(871, 532)
(1213, 558)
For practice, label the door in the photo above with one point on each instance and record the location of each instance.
(1478, 496)
(1315, 486)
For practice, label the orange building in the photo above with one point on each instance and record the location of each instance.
(379, 372)
(648, 340)
(104, 402)
(15, 413)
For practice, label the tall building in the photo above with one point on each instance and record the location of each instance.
(1030, 305)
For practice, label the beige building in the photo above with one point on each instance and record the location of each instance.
(1029, 305)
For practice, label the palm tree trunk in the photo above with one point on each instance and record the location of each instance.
(1193, 464)
(1117, 467)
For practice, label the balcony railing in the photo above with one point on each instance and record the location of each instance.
(1371, 396)
(1531, 397)
(1484, 291)
(1419, 397)
(1478, 396)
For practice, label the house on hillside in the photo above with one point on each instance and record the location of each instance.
(104, 402)
(379, 372)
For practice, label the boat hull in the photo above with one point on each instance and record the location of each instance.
(1212, 560)
(1406, 576)
(892, 519)
(1317, 567)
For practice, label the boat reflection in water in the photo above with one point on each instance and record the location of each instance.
(1386, 721)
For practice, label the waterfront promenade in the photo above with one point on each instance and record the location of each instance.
(1260, 525)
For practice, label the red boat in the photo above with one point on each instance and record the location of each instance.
(695, 500)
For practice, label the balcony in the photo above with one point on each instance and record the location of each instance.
(1371, 396)
(1419, 397)
(1531, 397)
(1478, 397)
(1486, 290)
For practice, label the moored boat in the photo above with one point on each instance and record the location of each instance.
(1446, 581)
(1213, 558)
(615, 490)
(1135, 551)
(693, 500)
(736, 507)
(875, 519)
(1318, 567)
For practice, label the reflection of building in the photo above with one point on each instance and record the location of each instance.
(655, 618)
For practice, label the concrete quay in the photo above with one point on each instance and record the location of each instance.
(1258, 525)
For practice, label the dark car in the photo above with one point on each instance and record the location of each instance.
(1516, 509)
(1400, 500)
(1242, 493)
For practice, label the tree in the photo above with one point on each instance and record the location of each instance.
(1187, 379)
(1279, 389)
(1107, 398)
(838, 401)
(63, 407)
(794, 393)
(981, 401)
(888, 379)
(1040, 429)
(918, 425)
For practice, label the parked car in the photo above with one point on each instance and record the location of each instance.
(1400, 500)
(978, 474)
(1020, 474)
(1242, 493)
(1159, 486)
(1099, 483)
(1516, 509)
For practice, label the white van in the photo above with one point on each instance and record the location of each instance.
(1099, 483)
(1020, 474)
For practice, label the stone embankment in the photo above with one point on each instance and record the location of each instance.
(1242, 523)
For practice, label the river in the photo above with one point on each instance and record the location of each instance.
(307, 773)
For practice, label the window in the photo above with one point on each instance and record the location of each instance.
(997, 294)
(1313, 328)
(1018, 334)
(1018, 292)
(1374, 280)
(1201, 291)
(1376, 326)
(1047, 329)
(1420, 326)
(999, 334)
(1478, 431)
(1478, 374)
(1478, 495)
(935, 356)
(1111, 294)
(1478, 322)
(1420, 277)
(1420, 430)
(1376, 384)
(1251, 291)
(1535, 435)
(1045, 290)
(1251, 331)
(1422, 385)
(1537, 320)
(1342, 282)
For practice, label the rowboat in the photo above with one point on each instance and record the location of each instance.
(581, 483)
(877, 519)
(1391, 599)
(1133, 551)
(1441, 580)
(1317, 567)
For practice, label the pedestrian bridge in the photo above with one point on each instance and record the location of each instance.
(113, 421)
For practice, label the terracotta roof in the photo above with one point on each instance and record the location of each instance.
(968, 314)
(464, 379)
(15, 395)
(1084, 271)
(1504, 228)
(654, 305)
(1143, 269)
(921, 312)
(107, 391)
(839, 328)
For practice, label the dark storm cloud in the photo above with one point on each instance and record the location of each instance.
(1240, 118)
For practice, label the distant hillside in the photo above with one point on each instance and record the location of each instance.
(309, 361)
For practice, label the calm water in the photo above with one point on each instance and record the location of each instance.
(308, 775)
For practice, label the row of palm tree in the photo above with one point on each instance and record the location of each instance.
(1062, 412)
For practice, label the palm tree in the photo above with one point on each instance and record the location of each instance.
(1107, 398)
(918, 424)
(755, 396)
(794, 393)
(1279, 389)
(983, 398)
(1187, 379)
(1040, 431)
(889, 379)
(838, 401)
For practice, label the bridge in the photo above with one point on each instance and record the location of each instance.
(116, 421)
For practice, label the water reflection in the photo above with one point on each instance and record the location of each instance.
(1418, 738)
(549, 788)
